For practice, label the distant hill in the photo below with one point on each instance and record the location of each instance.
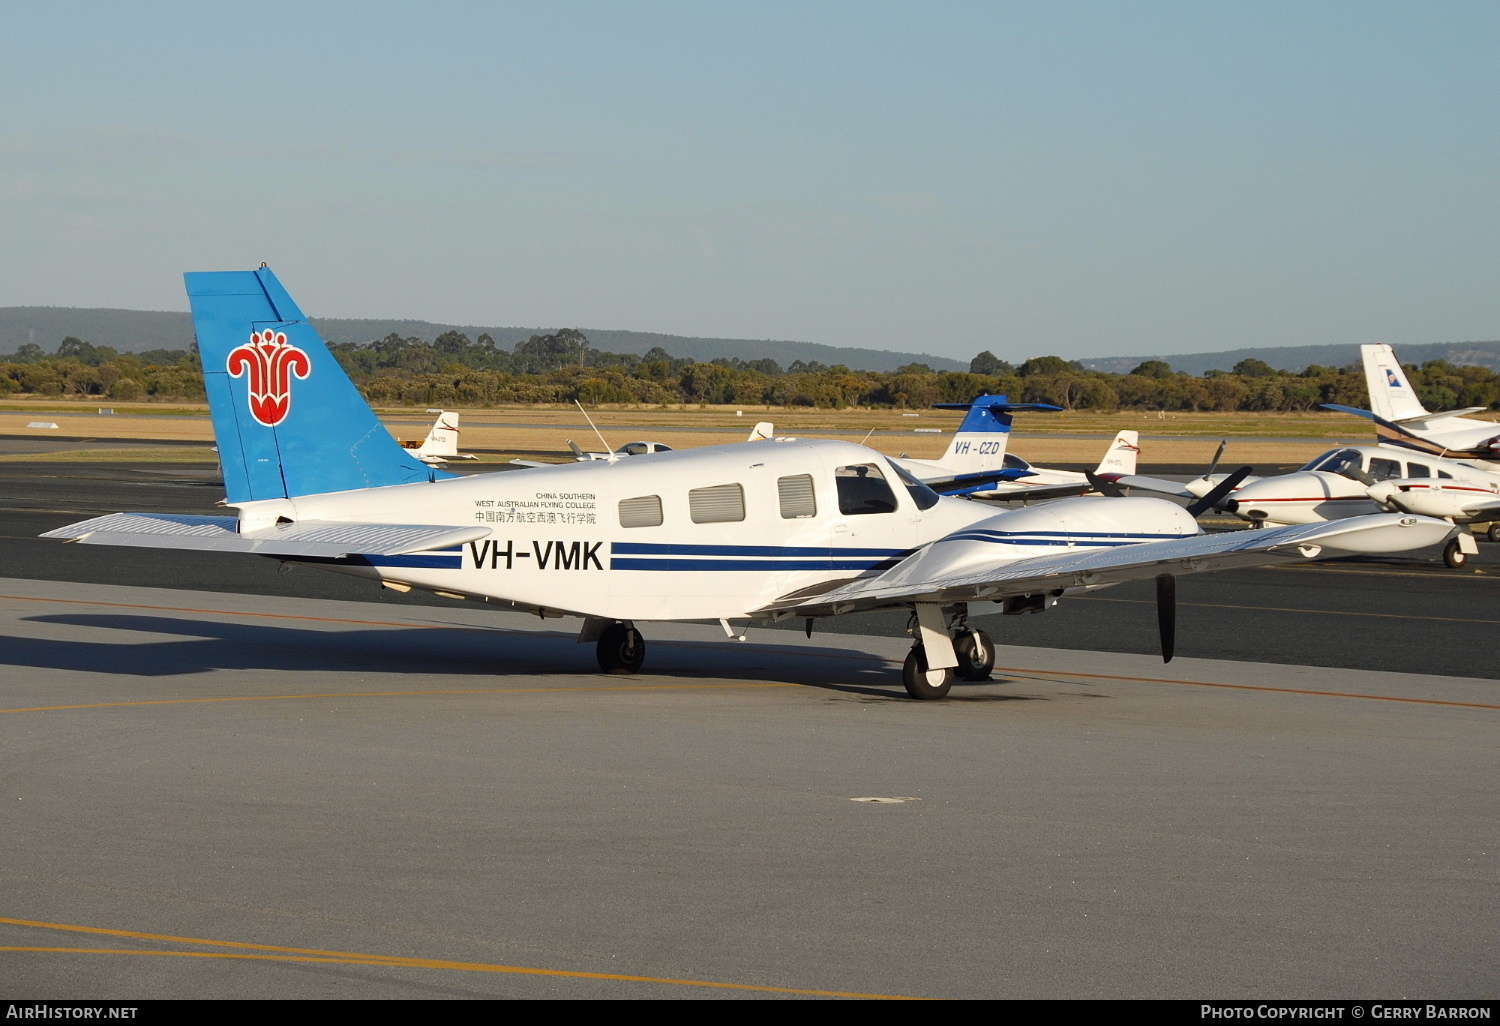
(134, 331)
(1298, 358)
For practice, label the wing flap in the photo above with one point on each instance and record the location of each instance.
(1097, 567)
(323, 538)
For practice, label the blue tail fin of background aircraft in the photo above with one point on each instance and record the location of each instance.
(287, 418)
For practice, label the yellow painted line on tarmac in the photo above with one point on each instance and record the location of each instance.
(285, 954)
(396, 694)
(1289, 609)
(1474, 574)
(1058, 677)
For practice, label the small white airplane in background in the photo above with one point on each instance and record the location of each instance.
(1401, 419)
(1041, 483)
(1358, 479)
(977, 464)
(761, 432)
(753, 531)
(441, 443)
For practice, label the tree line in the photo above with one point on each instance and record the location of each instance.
(454, 371)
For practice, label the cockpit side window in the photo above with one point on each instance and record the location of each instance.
(1382, 470)
(862, 489)
(924, 497)
(1331, 461)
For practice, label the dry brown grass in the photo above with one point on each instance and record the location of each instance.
(1180, 438)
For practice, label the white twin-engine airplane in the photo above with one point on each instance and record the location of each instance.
(1359, 479)
(756, 531)
(976, 461)
(1401, 419)
(441, 443)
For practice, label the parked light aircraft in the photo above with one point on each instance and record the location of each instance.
(441, 443)
(976, 462)
(1401, 419)
(761, 432)
(751, 531)
(1355, 480)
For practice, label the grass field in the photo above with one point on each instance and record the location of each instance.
(1272, 439)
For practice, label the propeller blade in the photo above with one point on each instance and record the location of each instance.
(1214, 464)
(1354, 472)
(1215, 498)
(577, 452)
(1166, 614)
(1104, 487)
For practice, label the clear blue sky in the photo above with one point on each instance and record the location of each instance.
(1086, 179)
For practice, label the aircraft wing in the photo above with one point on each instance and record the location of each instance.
(977, 481)
(905, 583)
(1387, 424)
(323, 538)
(1155, 485)
(1038, 492)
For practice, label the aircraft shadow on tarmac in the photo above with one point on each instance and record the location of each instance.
(205, 645)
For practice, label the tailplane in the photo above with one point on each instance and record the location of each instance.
(287, 419)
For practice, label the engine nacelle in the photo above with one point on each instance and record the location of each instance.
(1069, 525)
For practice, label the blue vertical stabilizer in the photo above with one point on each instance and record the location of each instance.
(287, 418)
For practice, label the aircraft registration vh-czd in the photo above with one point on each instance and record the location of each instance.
(755, 531)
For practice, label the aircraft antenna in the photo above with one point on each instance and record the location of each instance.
(612, 456)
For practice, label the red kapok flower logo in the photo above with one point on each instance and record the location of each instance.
(270, 361)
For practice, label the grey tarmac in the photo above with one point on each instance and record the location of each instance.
(281, 796)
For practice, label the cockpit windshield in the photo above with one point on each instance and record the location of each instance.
(1335, 458)
(924, 497)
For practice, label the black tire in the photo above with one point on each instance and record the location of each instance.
(976, 656)
(922, 683)
(621, 649)
(1494, 531)
(1454, 556)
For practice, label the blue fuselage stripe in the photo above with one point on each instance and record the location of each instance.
(629, 563)
(654, 549)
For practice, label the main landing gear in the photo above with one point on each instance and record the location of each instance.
(967, 653)
(621, 649)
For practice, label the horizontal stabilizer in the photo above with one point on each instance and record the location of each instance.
(323, 538)
(906, 582)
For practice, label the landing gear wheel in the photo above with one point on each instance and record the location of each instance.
(621, 649)
(976, 656)
(1454, 556)
(1494, 531)
(919, 680)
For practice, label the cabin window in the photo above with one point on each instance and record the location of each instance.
(1418, 470)
(1382, 470)
(643, 511)
(717, 504)
(1444, 473)
(862, 489)
(797, 499)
